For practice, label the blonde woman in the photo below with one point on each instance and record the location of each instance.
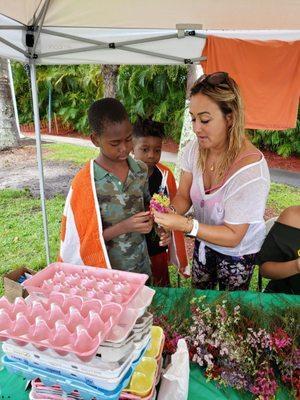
(227, 181)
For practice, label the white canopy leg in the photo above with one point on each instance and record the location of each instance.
(39, 154)
(13, 95)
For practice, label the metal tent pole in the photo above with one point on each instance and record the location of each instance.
(49, 107)
(39, 154)
(122, 45)
(39, 23)
(12, 46)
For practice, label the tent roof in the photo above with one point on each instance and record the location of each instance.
(101, 30)
(157, 14)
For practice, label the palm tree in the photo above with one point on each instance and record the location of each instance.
(9, 136)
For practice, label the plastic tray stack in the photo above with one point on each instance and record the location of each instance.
(142, 385)
(81, 327)
(147, 368)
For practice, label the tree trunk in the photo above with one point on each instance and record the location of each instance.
(187, 133)
(110, 75)
(9, 136)
(191, 77)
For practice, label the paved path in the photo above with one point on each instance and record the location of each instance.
(277, 175)
(165, 155)
(286, 177)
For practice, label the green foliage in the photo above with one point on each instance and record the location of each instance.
(73, 88)
(283, 143)
(154, 91)
(157, 91)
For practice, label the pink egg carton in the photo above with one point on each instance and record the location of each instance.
(107, 285)
(66, 324)
(134, 317)
(121, 331)
(130, 318)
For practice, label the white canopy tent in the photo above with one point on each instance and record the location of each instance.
(131, 32)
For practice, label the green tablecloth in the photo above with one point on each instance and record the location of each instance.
(13, 386)
(199, 389)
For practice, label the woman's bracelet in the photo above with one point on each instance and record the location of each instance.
(189, 224)
(193, 230)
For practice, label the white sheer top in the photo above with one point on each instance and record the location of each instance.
(240, 200)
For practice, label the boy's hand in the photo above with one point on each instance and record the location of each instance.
(164, 238)
(141, 222)
(164, 235)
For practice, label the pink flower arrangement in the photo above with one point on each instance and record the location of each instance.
(264, 383)
(159, 203)
(245, 347)
(237, 352)
(280, 340)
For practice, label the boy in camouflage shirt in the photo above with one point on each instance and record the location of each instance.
(104, 221)
(121, 186)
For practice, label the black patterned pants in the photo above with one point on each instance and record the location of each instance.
(231, 273)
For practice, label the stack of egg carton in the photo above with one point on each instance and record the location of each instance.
(142, 385)
(81, 328)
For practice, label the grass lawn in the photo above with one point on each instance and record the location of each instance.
(69, 152)
(21, 228)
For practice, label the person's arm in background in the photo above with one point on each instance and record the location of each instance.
(280, 270)
(284, 269)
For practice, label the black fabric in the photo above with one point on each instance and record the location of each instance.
(152, 238)
(154, 181)
(281, 244)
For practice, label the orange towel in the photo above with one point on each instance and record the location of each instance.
(82, 241)
(177, 250)
(268, 73)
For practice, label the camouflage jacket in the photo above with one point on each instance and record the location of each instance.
(119, 201)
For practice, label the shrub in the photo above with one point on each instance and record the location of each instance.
(154, 91)
(73, 87)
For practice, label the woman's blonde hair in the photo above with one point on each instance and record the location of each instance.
(226, 94)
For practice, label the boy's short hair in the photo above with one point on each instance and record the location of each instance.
(106, 111)
(148, 127)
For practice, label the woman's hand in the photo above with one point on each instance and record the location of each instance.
(172, 221)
